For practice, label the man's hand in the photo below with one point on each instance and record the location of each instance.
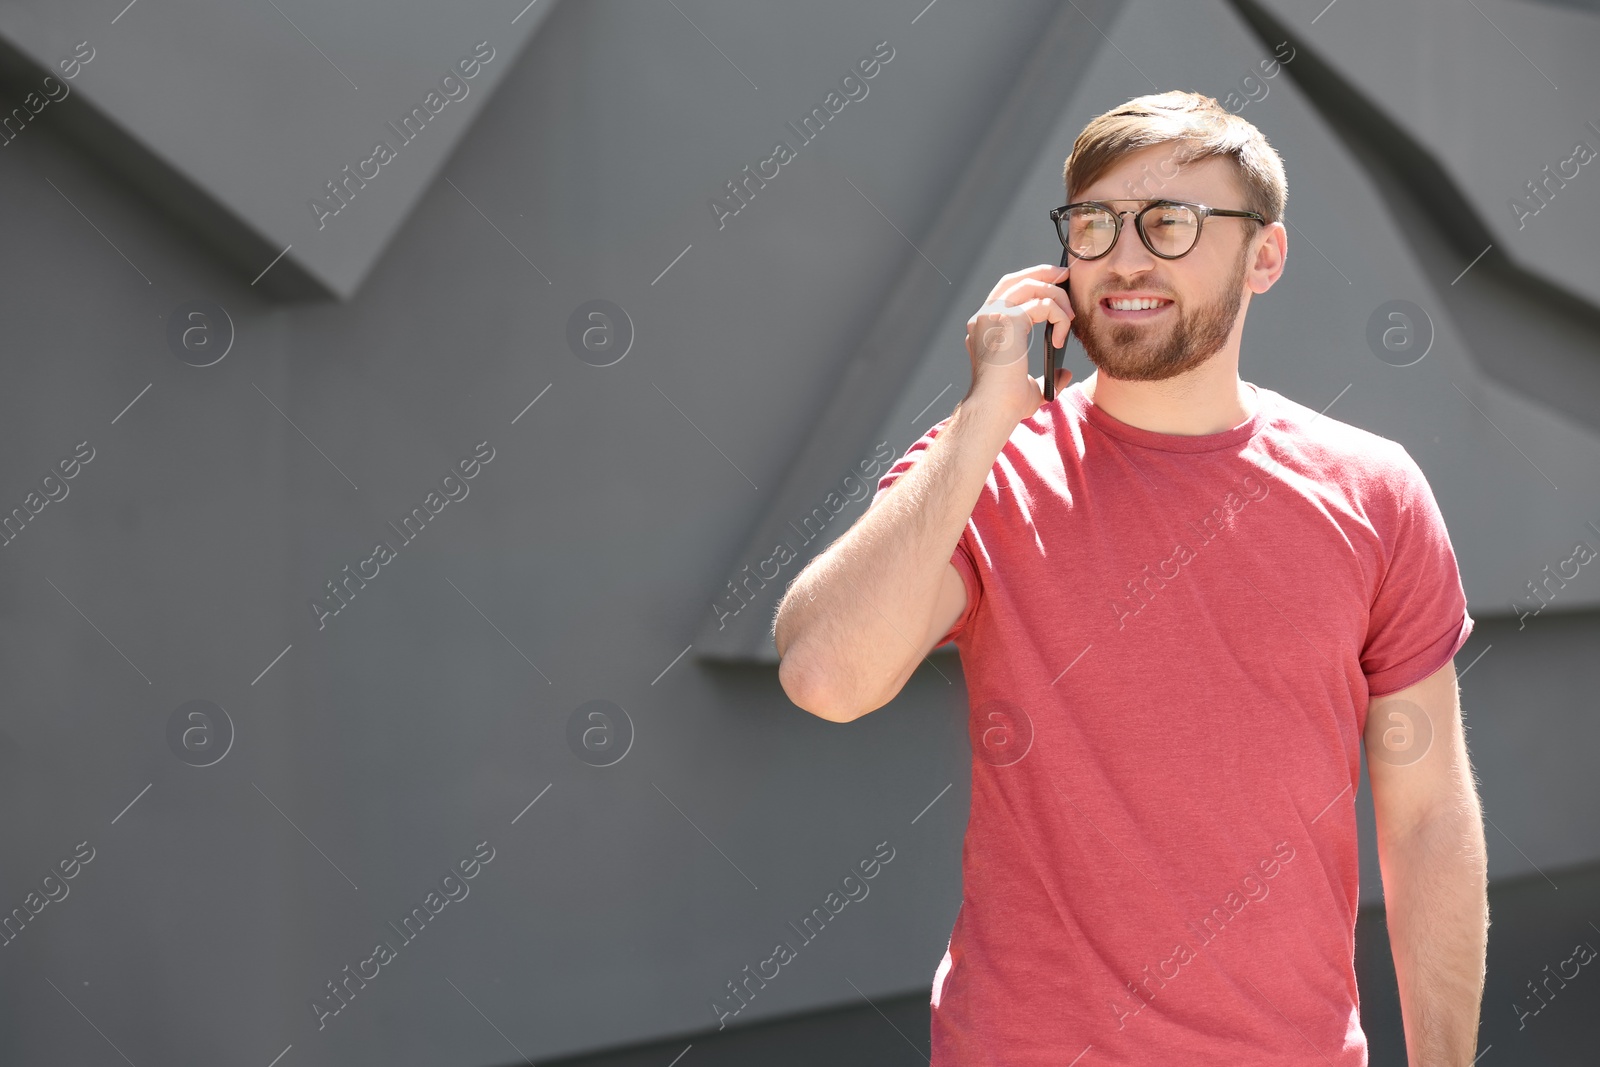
(998, 334)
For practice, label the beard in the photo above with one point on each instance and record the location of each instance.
(1144, 352)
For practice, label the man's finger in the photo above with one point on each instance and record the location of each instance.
(1043, 272)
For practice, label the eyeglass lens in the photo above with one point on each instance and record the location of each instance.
(1171, 228)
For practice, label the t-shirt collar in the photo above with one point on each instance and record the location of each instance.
(1168, 442)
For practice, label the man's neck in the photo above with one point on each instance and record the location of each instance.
(1206, 400)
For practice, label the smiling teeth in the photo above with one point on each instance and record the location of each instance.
(1138, 305)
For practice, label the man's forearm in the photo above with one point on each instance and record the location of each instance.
(856, 613)
(1436, 901)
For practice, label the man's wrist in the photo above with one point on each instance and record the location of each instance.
(990, 406)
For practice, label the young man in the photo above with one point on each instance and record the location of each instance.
(1182, 602)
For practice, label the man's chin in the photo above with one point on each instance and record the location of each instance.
(1135, 370)
(1139, 374)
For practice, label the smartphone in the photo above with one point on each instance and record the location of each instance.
(1052, 354)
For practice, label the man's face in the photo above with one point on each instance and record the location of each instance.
(1202, 290)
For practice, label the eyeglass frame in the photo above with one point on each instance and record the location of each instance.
(1203, 211)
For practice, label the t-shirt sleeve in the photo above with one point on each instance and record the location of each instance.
(1418, 620)
(962, 558)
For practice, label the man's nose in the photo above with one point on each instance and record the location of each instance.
(1129, 255)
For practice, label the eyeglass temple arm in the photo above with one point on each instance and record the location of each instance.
(1052, 354)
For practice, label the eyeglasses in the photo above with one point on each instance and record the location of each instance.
(1169, 228)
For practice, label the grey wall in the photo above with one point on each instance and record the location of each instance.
(238, 119)
(435, 707)
(370, 755)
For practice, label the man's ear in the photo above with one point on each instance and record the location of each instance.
(1268, 262)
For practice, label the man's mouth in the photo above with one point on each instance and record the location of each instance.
(1133, 309)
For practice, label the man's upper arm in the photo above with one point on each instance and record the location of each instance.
(951, 605)
(952, 600)
(1416, 749)
(1416, 753)
(1418, 614)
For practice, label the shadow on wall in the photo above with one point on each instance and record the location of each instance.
(1490, 303)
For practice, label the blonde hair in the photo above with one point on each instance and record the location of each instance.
(1198, 127)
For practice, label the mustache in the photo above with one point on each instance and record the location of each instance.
(1157, 292)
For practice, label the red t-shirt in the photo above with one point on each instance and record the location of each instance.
(1169, 647)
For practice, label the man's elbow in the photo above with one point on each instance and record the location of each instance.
(803, 690)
